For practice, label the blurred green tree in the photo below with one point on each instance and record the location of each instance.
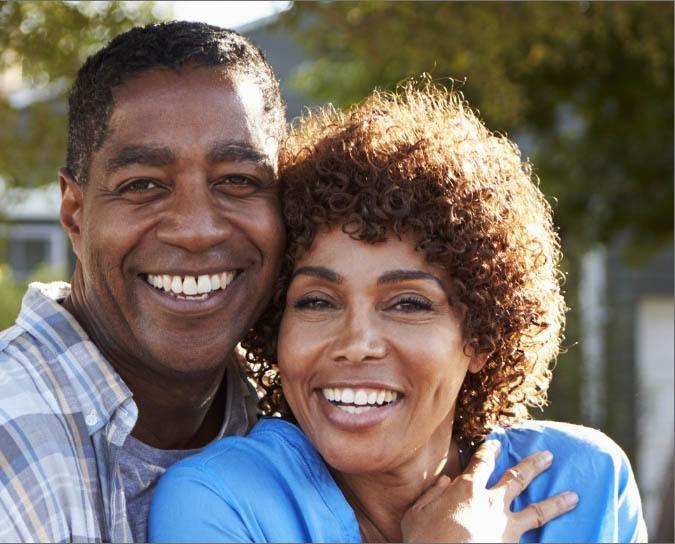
(42, 45)
(12, 290)
(586, 88)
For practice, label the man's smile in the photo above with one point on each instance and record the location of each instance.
(187, 294)
(193, 287)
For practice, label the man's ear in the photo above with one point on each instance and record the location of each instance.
(72, 198)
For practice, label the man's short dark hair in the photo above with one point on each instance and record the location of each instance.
(171, 45)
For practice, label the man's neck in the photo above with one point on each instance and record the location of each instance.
(189, 418)
(173, 412)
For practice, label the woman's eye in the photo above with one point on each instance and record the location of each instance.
(139, 186)
(312, 303)
(409, 304)
(237, 185)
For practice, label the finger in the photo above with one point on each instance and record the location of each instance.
(435, 491)
(516, 479)
(482, 462)
(539, 513)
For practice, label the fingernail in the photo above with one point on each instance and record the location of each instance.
(545, 459)
(570, 498)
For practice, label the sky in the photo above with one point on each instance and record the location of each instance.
(226, 14)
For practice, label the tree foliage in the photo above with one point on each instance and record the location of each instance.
(42, 45)
(585, 88)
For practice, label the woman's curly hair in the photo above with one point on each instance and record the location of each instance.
(420, 162)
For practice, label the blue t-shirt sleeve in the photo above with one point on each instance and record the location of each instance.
(586, 462)
(188, 506)
(631, 526)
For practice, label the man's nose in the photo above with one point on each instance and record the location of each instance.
(194, 220)
(359, 338)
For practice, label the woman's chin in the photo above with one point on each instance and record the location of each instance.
(356, 460)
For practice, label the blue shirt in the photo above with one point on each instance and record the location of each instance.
(273, 486)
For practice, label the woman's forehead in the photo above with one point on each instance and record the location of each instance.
(336, 250)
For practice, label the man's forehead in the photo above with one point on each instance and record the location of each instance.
(168, 76)
(194, 104)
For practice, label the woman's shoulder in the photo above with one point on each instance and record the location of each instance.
(585, 461)
(228, 490)
(272, 446)
(583, 458)
(562, 439)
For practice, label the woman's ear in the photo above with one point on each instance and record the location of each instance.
(71, 207)
(477, 362)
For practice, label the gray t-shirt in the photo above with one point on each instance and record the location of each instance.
(142, 465)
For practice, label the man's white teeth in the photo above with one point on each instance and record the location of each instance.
(191, 285)
(356, 401)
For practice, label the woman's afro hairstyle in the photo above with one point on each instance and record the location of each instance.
(420, 162)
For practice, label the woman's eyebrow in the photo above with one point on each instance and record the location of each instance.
(402, 275)
(319, 272)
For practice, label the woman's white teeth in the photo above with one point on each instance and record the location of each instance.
(191, 285)
(356, 401)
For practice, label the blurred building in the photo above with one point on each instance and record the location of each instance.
(627, 315)
(30, 232)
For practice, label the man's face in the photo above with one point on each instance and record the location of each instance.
(179, 234)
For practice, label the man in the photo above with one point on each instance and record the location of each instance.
(170, 202)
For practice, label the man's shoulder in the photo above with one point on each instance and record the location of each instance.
(27, 376)
(46, 456)
(40, 418)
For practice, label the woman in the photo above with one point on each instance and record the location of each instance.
(416, 314)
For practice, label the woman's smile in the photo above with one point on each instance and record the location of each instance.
(357, 407)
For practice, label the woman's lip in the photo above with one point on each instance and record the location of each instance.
(360, 385)
(356, 422)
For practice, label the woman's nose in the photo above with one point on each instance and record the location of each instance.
(359, 339)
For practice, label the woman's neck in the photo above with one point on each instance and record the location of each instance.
(380, 500)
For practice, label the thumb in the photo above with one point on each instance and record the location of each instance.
(435, 491)
(483, 462)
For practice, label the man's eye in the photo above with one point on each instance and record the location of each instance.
(237, 185)
(139, 186)
(410, 304)
(312, 303)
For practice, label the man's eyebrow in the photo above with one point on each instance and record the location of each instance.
(403, 275)
(319, 272)
(236, 152)
(140, 154)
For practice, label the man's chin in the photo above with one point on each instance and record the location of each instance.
(189, 367)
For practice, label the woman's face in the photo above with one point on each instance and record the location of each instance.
(371, 352)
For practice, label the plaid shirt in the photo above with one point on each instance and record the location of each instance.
(64, 415)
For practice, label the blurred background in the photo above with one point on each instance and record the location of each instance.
(584, 88)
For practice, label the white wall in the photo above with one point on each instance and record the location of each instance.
(655, 324)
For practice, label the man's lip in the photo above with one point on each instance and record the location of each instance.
(201, 272)
(186, 307)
